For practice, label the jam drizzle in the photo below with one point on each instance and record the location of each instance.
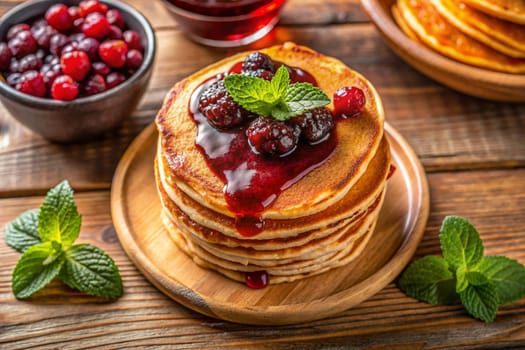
(252, 182)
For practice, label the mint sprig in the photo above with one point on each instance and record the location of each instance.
(482, 283)
(46, 237)
(276, 98)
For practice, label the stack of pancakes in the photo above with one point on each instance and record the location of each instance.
(322, 221)
(484, 33)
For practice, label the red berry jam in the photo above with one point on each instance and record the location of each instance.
(248, 187)
(89, 43)
(257, 279)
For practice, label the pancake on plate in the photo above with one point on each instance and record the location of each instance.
(469, 22)
(509, 10)
(435, 31)
(211, 180)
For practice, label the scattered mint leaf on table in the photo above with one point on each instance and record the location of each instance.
(482, 283)
(429, 279)
(38, 266)
(460, 243)
(90, 270)
(508, 276)
(22, 232)
(276, 98)
(58, 219)
(46, 237)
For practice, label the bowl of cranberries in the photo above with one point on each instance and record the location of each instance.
(72, 70)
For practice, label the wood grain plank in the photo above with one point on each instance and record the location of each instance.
(61, 318)
(448, 130)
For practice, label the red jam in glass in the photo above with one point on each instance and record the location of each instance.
(224, 21)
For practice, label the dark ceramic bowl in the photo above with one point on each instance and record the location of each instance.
(86, 117)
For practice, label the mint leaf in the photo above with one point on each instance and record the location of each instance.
(280, 81)
(481, 301)
(461, 280)
(276, 98)
(429, 279)
(38, 266)
(301, 97)
(22, 232)
(460, 242)
(254, 94)
(507, 275)
(59, 219)
(90, 270)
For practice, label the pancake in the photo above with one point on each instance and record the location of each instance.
(436, 32)
(465, 19)
(356, 201)
(358, 139)
(509, 10)
(402, 23)
(511, 34)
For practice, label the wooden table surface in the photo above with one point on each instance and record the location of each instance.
(472, 150)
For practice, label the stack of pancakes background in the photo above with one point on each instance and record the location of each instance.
(321, 222)
(484, 33)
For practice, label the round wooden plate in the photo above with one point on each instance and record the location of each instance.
(136, 214)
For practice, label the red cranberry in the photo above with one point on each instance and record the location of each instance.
(114, 78)
(271, 137)
(72, 46)
(349, 101)
(59, 18)
(5, 57)
(132, 38)
(115, 17)
(22, 44)
(78, 23)
(14, 66)
(77, 37)
(39, 24)
(17, 28)
(94, 84)
(32, 83)
(115, 33)
(113, 53)
(64, 88)
(89, 46)
(74, 12)
(57, 43)
(133, 59)
(43, 35)
(100, 68)
(75, 64)
(13, 79)
(50, 73)
(29, 62)
(91, 6)
(51, 59)
(96, 26)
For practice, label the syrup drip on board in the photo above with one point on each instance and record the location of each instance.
(253, 181)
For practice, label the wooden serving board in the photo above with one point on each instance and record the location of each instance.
(136, 215)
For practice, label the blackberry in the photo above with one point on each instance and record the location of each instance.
(257, 60)
(272, 137)
(222, 112)
(259, 73)
(315, 124)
